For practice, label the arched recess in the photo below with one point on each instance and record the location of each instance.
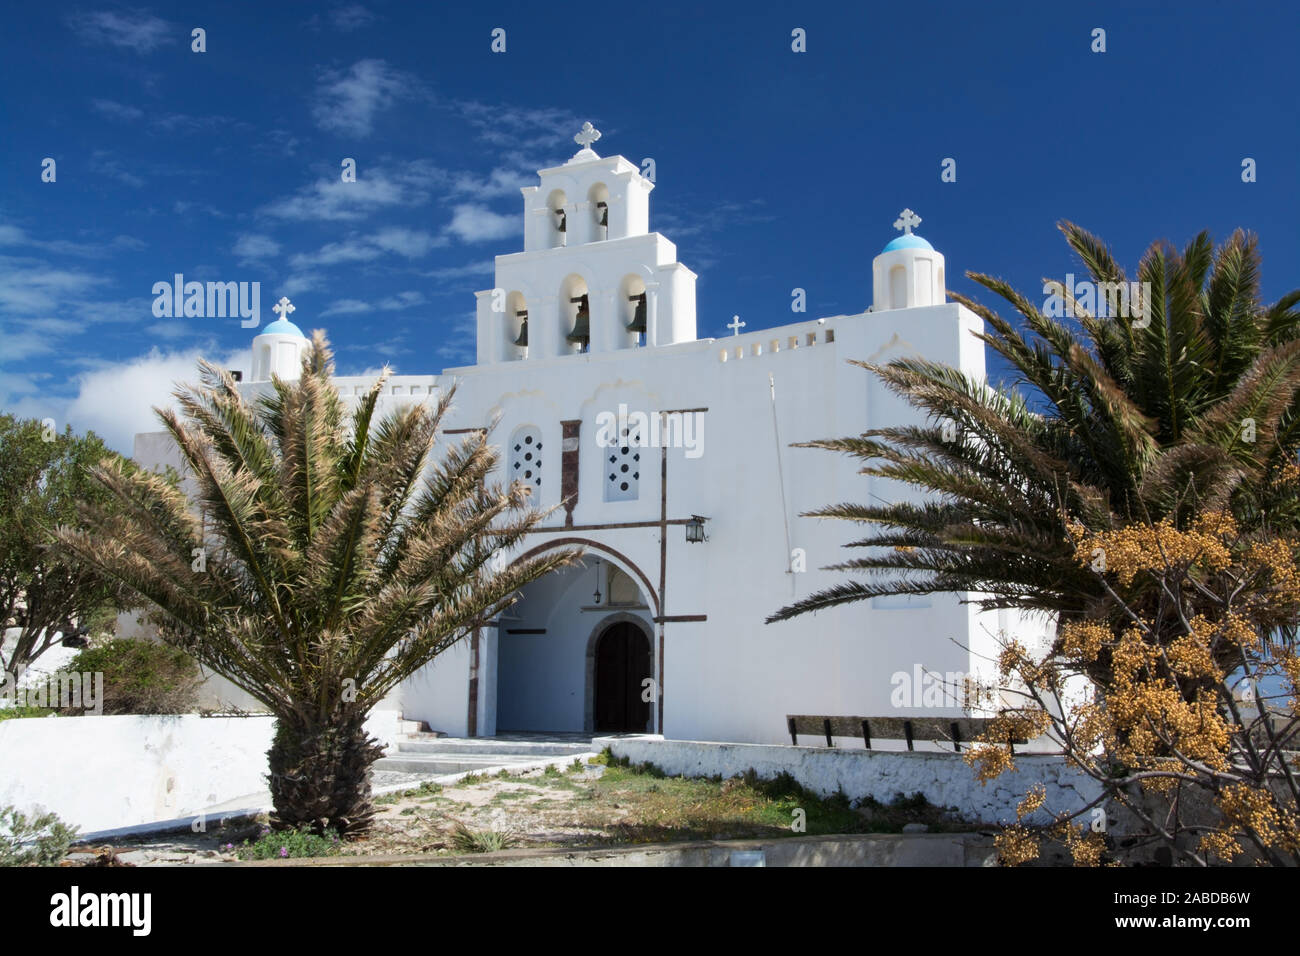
(622, 561)
(623, 614)
(898, 287)
(516, 325)
(631, 309)
(557, 218)
(598, 200)
(575, 313)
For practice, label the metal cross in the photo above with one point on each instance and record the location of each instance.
(586, 136)
(906, 221)
(283, 308)
(735, 325)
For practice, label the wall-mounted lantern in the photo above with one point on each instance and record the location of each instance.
(695, 530)
(596, 596)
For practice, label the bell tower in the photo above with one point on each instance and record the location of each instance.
(592, 277)
(908, 272)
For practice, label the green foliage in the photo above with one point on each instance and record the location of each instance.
(141, 677)
(42, 484)
(339, 558)
(40, 840)
(17, 713)
(1109, 420)
(289, 844)
(466, 840)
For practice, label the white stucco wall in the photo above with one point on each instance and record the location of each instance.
(944, 779)
(101, 773)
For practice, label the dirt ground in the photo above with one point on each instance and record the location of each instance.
(584, 804)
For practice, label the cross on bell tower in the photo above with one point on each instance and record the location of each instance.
(586, 136)
(907, 221)
(283, 308)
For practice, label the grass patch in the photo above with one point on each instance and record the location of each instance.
(18, 713)
(287, 844)
(466, 840)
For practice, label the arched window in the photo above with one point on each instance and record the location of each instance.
(623, 464)
(559, 221)
(526, 457)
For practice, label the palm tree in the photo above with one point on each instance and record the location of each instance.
(324, 560)
(1188, 401)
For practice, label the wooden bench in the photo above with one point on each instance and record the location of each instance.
(911, 729)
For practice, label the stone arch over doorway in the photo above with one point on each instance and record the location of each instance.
(621, 560)
(543, 658)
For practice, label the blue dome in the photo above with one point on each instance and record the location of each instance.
(907, 241)
(282, 327)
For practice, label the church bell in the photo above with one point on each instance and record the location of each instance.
(523, 328)
(604, 213)
(638, 321)
(581, 323)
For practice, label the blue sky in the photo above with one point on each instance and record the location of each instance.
(775, 169)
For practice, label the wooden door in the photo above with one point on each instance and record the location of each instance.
(622, 663)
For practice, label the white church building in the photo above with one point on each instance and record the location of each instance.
(668, 458)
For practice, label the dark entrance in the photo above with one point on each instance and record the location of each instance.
(622, 663)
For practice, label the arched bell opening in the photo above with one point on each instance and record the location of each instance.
(575, 309)
(559, 218)
(516, 322)
(598, 200)
(632, 310)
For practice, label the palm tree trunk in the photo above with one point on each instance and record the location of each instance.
(320, 774)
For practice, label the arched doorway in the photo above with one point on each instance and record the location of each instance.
(622, 664)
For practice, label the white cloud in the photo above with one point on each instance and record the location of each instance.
(332, 200)
(117, 400)
(410, 243)
(30, 288)
(345, 307)
(474, 223)
(485, 268)
(350, 17)
(303, 282)
(117, 111)
(348, 102)
(403, 300)
(129, 29)
(252, 247)
(11, 235)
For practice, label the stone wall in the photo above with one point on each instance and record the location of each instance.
(944, 778)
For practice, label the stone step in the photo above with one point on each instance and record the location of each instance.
(433, 763)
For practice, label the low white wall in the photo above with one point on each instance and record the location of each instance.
(944, 779)
(102, 773)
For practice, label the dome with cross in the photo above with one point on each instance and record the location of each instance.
(282, 325)
(907, 221)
